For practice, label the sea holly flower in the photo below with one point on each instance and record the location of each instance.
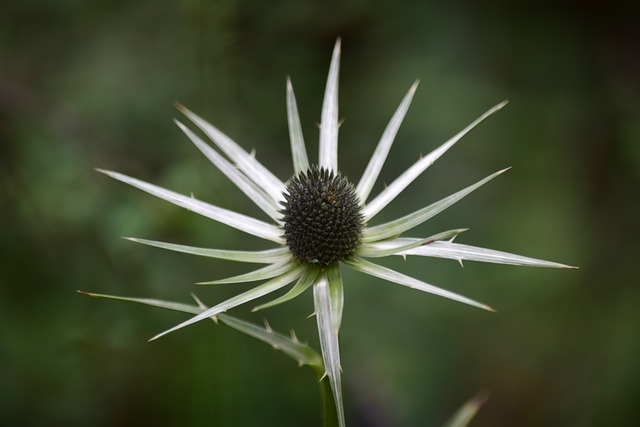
(319, 220)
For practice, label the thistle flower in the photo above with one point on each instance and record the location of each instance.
(319, 220)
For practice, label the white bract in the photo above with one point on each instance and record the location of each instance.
(282, 267)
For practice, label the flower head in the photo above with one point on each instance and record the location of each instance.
(322, 217)
(318, 220)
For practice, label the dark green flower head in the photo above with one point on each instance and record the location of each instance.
(323, 218)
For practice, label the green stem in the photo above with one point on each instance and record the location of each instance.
(329, 413)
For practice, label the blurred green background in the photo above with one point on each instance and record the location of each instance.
(91, 84)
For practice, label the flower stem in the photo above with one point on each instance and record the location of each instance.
(329, 413)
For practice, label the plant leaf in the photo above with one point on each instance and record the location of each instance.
(398, 226)
(379, 156)
(329, 345)
(302, 353)
(257, 292)
(329, 117)
(394, 246)
(245, 161)
(459, 252)
(401, 279)
(336, 293)
(268, 256)
(264, 201)
(397, 186)
(298, 149)
(169, 305)
(267, 272)
(307, 279)
(463, 416)
(241, 222)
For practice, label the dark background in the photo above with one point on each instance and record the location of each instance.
(91, 84)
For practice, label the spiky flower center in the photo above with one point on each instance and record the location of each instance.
(322, 217)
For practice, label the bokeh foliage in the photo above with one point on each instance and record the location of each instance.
(90, 84)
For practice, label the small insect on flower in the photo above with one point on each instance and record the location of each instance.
(318, 220)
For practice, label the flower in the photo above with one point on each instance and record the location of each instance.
(319, 220)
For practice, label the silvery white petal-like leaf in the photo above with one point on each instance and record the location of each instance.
(245, 161)
(463, 416)
(329, 117)
(302, 353)
(265, 202)
(307, 279)
(257, 292)
(329, 340)
(462, 252)
(259, 257)
(398, 226)
(264, 273)
(379, 156)
(388, 247)
(397, 186)
(402, 279)
(298, 149)
(169, 305)
(241, 222)
(336, 293)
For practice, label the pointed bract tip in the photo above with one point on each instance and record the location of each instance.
(461, 230)
(155, 337)
(104, 171)
(85, 293)
(179, 106)
(565, 266)
(502, 104)
(481, 397)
